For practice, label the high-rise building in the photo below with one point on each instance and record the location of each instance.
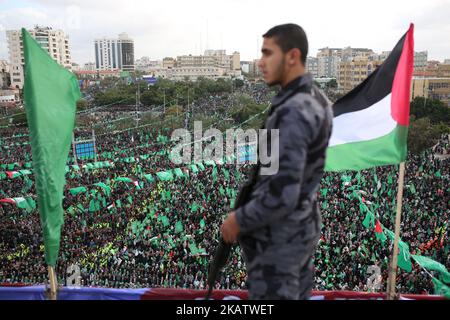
(212, 58)
(349, 53)
(420, 59)
(328, 62)
(254, 70)
(53, 41)
(213, 64)
(352, 73)
(4, 74)
(89, 66)
(114, 54)
(431, 88)
(312, 66)
(169, 63)
(146, 65)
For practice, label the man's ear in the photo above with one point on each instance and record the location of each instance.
(294, 56)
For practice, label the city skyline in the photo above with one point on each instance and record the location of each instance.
(191, 28)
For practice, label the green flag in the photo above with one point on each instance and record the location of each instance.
(25, 203)
(77, 190)
(165, 175)
(178, 227)
(50, 93)
(430, 264)
(404, 260)
(214, 174)
(193, 249)
(441, 289)
(195, 206)
(164, 220)
(226, 173)
(194, 168)
(105, 188)
(369, 221)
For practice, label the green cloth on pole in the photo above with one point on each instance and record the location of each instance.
(25, 172)
(50, 94)
(194, 168)
(105, 188)
(369, 221)
(226, 173)
(178, 227)
(195, 206)
(178, 172)
(77, 190)
(164, 220)
(149, 177)
(404, 257)
(25, 203)
(165, 175)
(430, 264)
(441, 289)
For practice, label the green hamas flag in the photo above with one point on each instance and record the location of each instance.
(430, 264)
(50, 94)
(77, 190)
(440, 288)
(178, 227)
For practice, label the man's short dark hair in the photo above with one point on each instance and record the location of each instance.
(289, 36)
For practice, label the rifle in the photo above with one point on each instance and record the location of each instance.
(223, 250)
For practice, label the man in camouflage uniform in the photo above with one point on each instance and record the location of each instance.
(278, 225)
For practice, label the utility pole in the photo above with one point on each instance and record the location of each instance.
(138, 102)
(186, 119)
(164, 90)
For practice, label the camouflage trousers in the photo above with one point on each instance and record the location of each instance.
(282, 271)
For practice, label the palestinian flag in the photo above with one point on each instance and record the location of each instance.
(370, 124)
(23, 203)
(13, 174)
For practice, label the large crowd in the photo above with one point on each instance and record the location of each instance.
(161, 231)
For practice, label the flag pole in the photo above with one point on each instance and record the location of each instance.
(393, 266)
(53, 283)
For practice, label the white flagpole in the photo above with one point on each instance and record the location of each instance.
(391, 295)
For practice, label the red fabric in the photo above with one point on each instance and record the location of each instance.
(378, 228)
(10, 174)
(7, 200)
(402, 81)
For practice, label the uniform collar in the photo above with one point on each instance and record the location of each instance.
(303, 82)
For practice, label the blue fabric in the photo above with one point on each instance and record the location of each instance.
(68, 293)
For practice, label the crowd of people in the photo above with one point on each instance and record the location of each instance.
(153, 230)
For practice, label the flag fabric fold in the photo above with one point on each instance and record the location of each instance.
(50, 95)
(370, 124)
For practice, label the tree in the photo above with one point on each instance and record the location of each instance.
(238, 83)
(422, 135)
(435, 110)
(81, 104)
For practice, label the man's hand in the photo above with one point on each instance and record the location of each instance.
(230, 228)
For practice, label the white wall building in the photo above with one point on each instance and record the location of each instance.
(420, 59)
(312, 66)
(213, 64)
(54, 41)
(114, 54)
(4, 74)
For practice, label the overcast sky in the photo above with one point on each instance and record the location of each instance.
(176, 27)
